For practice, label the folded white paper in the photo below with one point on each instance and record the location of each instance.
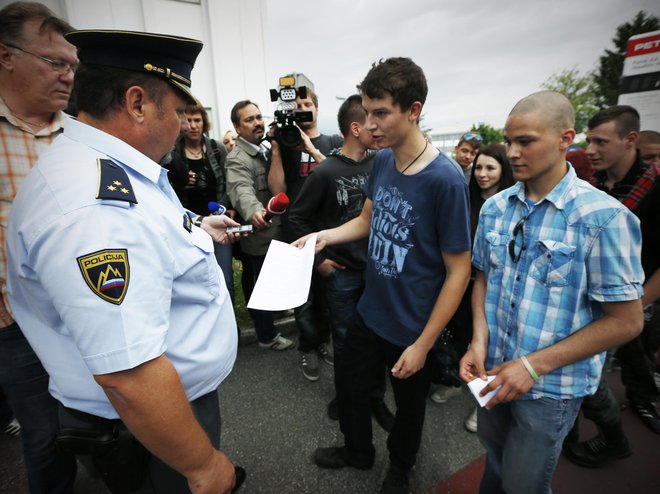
(285, 277)
(476, 385)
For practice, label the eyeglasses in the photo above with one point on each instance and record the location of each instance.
(512, 243)
(58, 66)
(471, 136)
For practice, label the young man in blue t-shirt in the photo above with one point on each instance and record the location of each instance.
(418, 265)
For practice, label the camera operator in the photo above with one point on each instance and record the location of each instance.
(289, 168)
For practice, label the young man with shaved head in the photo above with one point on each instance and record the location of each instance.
(558, 282)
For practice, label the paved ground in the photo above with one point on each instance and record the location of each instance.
(273, 419)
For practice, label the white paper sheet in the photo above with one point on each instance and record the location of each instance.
(476, 385)
(285, 277)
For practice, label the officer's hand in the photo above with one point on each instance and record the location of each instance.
(216, 477)
(216, 226)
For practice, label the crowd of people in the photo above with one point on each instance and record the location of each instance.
(537, 258)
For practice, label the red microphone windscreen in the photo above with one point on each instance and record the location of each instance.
(278, 204)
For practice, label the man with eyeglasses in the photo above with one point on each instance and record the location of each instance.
(466, 151)
(36, 79)
(559, 281)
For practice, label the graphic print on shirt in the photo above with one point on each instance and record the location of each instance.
(307, 164)
(350, 195)
(107, 273)
(392, 220)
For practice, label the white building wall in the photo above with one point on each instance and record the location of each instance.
(232, 65)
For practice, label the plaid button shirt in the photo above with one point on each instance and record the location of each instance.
(19, 149)
(581, 247)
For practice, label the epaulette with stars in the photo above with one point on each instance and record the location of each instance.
(114, 183)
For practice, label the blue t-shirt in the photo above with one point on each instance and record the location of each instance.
(414, 218)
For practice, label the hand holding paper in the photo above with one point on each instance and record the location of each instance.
(476, 385)
(285, 277)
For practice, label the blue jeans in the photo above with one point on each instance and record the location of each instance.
(344, 288)
(223, 257)
(312, 316)
(25, 382)
(523, 441)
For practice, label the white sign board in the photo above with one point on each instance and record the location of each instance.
(640, 82)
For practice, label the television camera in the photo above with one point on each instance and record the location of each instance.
(287, 134)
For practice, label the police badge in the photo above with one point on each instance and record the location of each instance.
(107, 273)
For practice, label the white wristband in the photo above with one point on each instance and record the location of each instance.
(529, 368)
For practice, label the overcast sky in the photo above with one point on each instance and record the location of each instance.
(480, 57)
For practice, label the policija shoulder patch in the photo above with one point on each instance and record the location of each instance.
(107, 273)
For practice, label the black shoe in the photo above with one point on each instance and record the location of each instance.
(648, 414)
(337, 457)
(595, 452)
(240, 474)
(382, 415)
(397, 481)
(333, 409)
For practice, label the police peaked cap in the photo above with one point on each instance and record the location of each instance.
(169, 57)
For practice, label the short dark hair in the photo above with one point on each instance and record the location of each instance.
(648, 137)
(235, 118)
(198, 108)
(399, 77)
(351, 110)
(99, 91)
(626, 119)
(14, 16)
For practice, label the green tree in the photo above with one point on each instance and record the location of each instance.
(489, 134)
(608, 74)
(579, 89)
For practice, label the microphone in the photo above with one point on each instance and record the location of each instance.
(215, 208)
(277, 205)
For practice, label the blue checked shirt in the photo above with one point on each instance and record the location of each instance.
(581, 247)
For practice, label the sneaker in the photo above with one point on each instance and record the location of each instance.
(333, 410)
(13, 428)
(277, 343)
(323, 351)
(309, 363)
(337, 457)
(648, 414)
(444, 393)
(382, 415)
(595, 452)
(397, 481)
(471, 421)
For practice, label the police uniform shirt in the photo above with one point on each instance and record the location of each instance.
(104, 285)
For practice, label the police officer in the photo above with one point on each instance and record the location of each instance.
(116, 286)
